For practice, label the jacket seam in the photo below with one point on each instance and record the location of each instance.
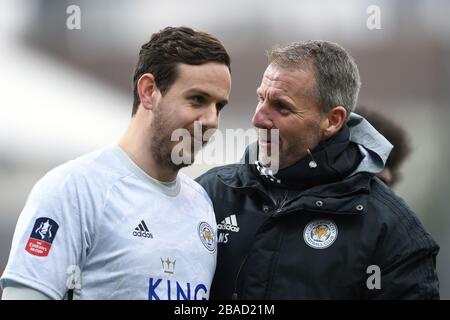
(401, 213)
(419, 274)
(272, 267)
(394, 209)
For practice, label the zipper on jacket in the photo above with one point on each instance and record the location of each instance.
(235, 296)
(279, 207)
(282, 202)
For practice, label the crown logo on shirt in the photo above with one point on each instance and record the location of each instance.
(168, 265)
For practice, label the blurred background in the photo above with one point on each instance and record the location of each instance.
(66, 92)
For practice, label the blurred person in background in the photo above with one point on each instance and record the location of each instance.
(321, 227)
(396, 135)
(122, 222)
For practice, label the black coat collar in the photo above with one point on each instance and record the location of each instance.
(348, 196)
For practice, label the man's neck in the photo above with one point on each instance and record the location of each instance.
(138, 148)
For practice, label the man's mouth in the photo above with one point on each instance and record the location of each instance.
(266, 142)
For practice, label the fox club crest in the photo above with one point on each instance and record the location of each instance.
(320, 233)
(207, 236)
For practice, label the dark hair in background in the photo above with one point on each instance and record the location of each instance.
(395, 134)
(171, 46)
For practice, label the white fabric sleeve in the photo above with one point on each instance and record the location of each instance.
(48, 244)
(20, 292)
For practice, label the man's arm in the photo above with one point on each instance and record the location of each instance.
(48, 239)
(406, 255)
(17, 291)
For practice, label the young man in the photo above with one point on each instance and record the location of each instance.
(122, 222)
(322, 226)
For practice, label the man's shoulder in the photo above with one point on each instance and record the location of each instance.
(387, 200)
(98, 168)
(191, 184)
(397, 216)
(228, 171)
(194, 191)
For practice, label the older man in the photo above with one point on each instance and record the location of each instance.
(322, 226)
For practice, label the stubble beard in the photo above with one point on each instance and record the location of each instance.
(296, 152)
(161, 146)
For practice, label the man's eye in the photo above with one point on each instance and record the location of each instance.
(198, 99)
(283, 109)
(259, 99)
(220, 106)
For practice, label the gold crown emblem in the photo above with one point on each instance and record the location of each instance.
(168, 265)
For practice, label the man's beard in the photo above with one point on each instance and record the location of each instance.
(289, 153)
(161, 152)
(268, 154)
(161, 146)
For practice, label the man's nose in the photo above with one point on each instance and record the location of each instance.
(262, 119)
(210, 118)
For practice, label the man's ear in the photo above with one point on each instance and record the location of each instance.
(146, 86)
(333, 121)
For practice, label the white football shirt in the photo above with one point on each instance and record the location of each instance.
(101, 226)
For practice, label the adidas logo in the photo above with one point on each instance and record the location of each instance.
(142, 231)
(229, 223)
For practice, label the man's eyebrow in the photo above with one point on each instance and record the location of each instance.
(276, 99)
(199, 92)
(282, 100)
(203, 93)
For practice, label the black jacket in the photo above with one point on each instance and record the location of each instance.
(326, 242)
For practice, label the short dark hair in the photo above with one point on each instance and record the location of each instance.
(336, 73)
(171, 46)
(396, 135)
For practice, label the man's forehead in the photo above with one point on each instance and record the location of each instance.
(211, 78)
(288, 81)
(197, 72)
(214, 90)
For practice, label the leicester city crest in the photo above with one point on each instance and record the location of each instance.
(320, 234)
(207, 236)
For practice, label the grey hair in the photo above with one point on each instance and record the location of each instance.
(337, 76)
